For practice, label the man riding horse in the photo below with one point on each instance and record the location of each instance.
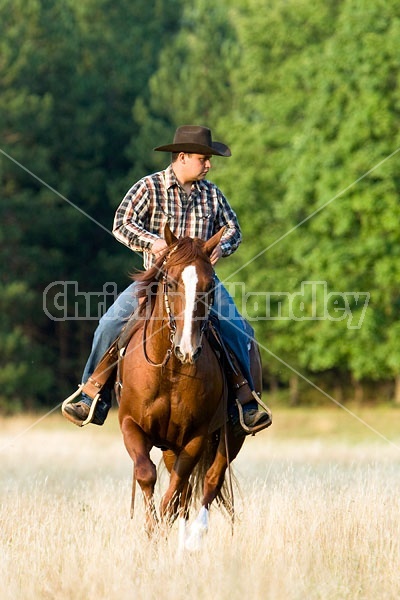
(192, 206)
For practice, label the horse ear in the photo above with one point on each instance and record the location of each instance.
(169, 237)
(213, 241)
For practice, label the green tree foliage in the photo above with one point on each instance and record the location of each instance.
(69, 75)
(307, 96)
(192, 81)
(343, 169)
(275, 41)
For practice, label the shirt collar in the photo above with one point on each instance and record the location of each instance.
(170, 178)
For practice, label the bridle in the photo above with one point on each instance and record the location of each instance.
(171, 318)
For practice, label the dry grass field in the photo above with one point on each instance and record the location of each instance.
(318, 515)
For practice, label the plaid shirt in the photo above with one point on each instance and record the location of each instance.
(159, 199)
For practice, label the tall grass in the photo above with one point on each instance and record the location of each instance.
(317, 517)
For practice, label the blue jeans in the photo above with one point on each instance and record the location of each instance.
(235, 331)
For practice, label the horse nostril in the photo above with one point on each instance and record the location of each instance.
(188, 357)
(178, 352)
(196, 353)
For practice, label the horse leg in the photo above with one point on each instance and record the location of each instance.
(228, 448)
(212, 485)
(179, 489)
(169, 457)
(180, 472)
(179, 505)
(145, 472)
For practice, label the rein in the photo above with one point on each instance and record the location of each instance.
(171, 326)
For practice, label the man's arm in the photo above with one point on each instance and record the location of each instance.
(132, 217)
(227, 218)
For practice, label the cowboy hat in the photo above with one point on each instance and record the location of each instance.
(197, 139)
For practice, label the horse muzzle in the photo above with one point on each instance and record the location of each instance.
(187, 357)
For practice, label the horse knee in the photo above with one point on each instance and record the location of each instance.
(145, 473)
(214, 479)
(213, 482)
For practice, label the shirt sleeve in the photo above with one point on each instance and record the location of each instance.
(132, 219)
(227, 218)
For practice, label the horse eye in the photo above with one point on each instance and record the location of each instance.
(203, 296)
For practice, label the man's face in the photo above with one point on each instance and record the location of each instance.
(197, 166)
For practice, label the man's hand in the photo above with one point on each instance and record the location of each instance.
(158, 247)
(216, 254)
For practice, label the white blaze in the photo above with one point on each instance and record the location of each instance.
(189, 278)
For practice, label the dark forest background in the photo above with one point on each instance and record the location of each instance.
(307, 96)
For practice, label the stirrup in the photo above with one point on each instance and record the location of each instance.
(256, 428)
(72, 397)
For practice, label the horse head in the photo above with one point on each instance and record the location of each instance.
(188, 291)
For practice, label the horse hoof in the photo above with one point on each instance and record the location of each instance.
(194, 540)
(197, 531)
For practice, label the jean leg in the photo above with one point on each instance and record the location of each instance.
(235, 330)
(109, 328)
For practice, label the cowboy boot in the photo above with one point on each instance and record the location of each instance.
(251, 418)
(80, 413)
(96, 392)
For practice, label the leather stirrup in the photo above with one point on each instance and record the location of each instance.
(103, 372)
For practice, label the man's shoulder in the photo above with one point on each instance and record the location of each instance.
(155, 177)
(209, 186)
(148, 182)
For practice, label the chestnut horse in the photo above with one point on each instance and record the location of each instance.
(172, 386)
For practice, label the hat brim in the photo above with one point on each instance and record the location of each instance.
(217, 148)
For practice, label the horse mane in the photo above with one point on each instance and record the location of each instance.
(185, 251)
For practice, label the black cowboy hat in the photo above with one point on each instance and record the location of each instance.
(197, 139)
